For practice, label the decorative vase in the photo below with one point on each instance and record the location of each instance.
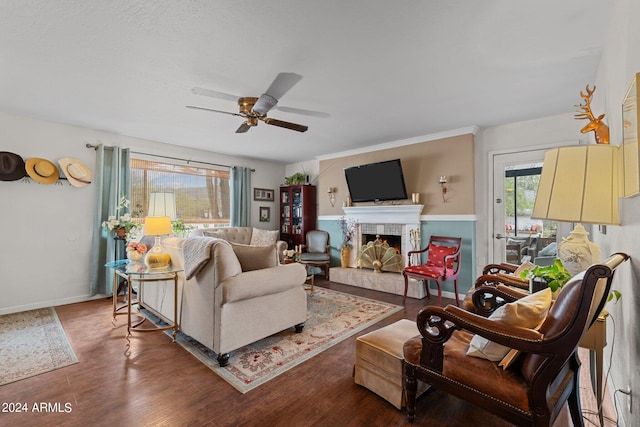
(121, 233)
(576, 252)
(345, 256)
(134, 256)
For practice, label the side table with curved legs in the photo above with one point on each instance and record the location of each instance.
(136, 271)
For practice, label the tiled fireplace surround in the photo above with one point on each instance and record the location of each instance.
(393, 220)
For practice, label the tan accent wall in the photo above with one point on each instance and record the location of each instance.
(422, 164)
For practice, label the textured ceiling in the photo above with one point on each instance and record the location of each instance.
(383, 70)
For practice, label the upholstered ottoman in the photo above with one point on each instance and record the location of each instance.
(379, 361)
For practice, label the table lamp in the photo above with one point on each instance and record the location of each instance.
(162, 204)
(157, 226)
(579, 184)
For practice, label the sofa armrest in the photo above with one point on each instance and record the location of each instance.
(266, 281)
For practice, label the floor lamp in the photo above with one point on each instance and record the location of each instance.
(579, 184)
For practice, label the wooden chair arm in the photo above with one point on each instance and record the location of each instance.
(497, 279)
(436, 324)
(486, 299)
(503, 267)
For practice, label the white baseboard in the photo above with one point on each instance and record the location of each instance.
(51, 303)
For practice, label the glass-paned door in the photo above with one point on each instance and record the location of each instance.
(516, 236)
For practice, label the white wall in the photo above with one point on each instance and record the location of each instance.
(46, 229)
(620, 62)
(513, 137)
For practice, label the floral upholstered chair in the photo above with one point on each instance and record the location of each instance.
(443, 264)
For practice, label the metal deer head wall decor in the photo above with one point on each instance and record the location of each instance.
(595, 123)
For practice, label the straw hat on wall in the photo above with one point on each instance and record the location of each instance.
(76, 172)
(42, 170)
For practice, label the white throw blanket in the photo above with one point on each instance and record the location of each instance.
(197, 252)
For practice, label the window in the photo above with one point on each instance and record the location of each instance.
(202, 195)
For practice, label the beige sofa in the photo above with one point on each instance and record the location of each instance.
(224, 307)
(245, 236)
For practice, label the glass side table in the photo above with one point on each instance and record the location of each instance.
(139, 272)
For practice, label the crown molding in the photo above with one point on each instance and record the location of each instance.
(403, 142)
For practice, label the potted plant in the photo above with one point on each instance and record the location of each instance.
(122, 224)
(296, 178)
(555, 275)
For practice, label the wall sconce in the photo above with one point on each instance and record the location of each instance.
(443, 186)
(332, 196)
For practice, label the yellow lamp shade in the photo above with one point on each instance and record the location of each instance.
(157, 225)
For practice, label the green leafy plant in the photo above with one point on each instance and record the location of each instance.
(613, 294)
(180, 228)
(555, 274)
(296, 178)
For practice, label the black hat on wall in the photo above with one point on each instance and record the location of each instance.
(12, 167)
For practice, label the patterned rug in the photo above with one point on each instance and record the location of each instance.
(332, 317)
(31, 343)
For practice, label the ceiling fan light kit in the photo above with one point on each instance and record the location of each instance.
(253, 109)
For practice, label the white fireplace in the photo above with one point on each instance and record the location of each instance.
(394, 220)
(384, 220)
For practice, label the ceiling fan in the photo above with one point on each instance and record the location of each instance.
(255, 109)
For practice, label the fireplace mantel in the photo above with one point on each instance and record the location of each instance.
(397, 214)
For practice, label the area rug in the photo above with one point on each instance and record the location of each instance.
(31, 343)
(332, 317)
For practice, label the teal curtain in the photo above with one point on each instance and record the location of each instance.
(240, 196)
(112, 180)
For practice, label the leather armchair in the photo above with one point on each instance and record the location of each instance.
(316, 251)
(542, 379)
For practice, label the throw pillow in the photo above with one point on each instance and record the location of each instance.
(260, 237)
(527, 312)
(435, 257)
(255, 257)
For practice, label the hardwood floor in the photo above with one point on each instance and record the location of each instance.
(160, 384)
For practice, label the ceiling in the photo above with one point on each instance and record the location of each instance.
(383, 70)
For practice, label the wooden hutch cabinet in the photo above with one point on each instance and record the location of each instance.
(297, 213)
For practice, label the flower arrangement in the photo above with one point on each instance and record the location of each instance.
(290, 254)
(141, 248)
(121, 220)
(348, 227)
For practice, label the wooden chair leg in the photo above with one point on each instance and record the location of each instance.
(455, 288)
(406, 287)
(439, 285)
(410, 389)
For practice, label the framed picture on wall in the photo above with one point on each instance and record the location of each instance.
(265, 214)
(263, 195)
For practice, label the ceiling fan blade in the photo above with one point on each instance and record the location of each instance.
(215, 111)
(302, 111)
(214, 94)
(286, 125)
(265, 103)
(282, 83)
(244, 127)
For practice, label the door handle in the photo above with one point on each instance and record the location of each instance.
(499, 236)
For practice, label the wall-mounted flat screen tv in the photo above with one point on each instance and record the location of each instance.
(376, 181)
